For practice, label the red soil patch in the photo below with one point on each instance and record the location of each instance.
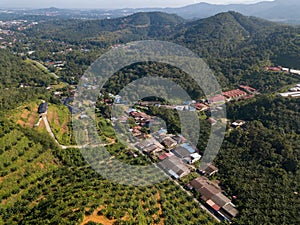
(25, 114)
(41, 165)
(21, 122)
(56, 119)
(64, 129)
(160, 208)
(32, 120)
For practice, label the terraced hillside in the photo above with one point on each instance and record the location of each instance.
(59, 118)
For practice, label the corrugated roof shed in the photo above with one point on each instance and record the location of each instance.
(220, 199)
(43, 108)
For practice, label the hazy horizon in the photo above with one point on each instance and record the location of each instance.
(117, 4)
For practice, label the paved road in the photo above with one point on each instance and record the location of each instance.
(186, 191)
(44, 67)
(49, 130)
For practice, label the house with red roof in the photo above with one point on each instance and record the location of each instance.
(201, 107)
(234, 94)
(217, 99)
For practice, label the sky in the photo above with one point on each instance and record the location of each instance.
(112, 4)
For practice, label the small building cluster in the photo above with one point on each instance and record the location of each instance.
(282, 69)
(55, 64)
(243, 92)
(293, 92)
(176, 156)
(213, 197)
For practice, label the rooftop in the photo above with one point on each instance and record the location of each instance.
(220, 199)
(190, 148)
(231, 210)
(234, 93)
(173, 165)
(181, 152)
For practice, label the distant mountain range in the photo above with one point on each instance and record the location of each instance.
(279, 10)
(284, 11)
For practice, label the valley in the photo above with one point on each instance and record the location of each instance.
(45, 179)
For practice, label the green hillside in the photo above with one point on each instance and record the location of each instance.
(140, 25)
(259, 164)
(20, 80)
(42, 184)
(236, 47)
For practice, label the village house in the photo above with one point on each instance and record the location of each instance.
(201, 106)
(186, 155)
(217, 99)
(43, 108)
(149, 145)
(228, 211)
(132, 153)
(209, 170)
(140, 117)
(179, 138)
(181, 152)
(212, 195)
(136, 131)
(273, 68)
(153, 149)
(189, 102)
(234, 94)
(165, 155)
(205, 187)
(174, 167)
(83, 116)
(195, 157)
(238, 123)
(293, 92)
(148, 103)
(248, 89)
(169, 142)
(160, 135)
(190, 148)
(290, 94)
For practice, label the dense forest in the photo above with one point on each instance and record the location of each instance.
(236, 47)
(20, 81)
(260, 164)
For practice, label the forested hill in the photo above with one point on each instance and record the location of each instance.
(136, 26)
(231, 35)
(236, 47)
(259, 163)
(221, 34)
(20, 80)
(227, 34)
(14, 71)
